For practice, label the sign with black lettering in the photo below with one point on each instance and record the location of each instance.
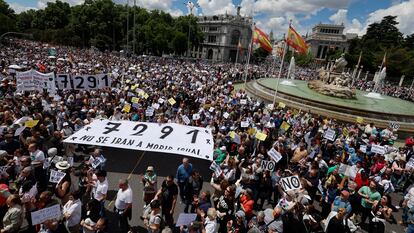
(193, 141)
(83, 82)
(290, 183)
(377, 149)
(330, 135)
(394, 125)
(268, 165)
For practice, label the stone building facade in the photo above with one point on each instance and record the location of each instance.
(222, 35)
(327, 38)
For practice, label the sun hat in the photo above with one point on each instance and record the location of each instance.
(62, 165)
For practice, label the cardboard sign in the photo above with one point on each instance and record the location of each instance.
(290, 183)
(285, 126)
(261, 136)
(216, 168)
(244, 124)
(185, 219)
(172, 101)
(268, 165)
(31, 123)
(377, 149)
(135, 100)
(127, 108)
(44, 214)
(345, 132)
(56, 176)
(359, 120)
(281, 105)
(186, 119)
(330, 135)
(275, 155)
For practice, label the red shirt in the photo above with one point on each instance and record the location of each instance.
(358, 180)
(248, 205)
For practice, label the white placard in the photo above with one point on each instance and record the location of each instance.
(268, 165)
(56, 176)
(161, 100)
(226, 115)
(196, 116)
(211, 109)
(377, 149)
(44, 81)
(3, 169)
(156, 105)
(244, 124)
(216, 168)
(44, 214)
(243, 101)
(96, 162)
(24, 81)
(342, 168)
(186, 120)
(274, 154)
(19, 131)
(70, 161)
(394, 125)
(194, 141)
(330, 135)
(47, 163)
(237, 139)
(149, 112)
(363, 148)
(290, 183)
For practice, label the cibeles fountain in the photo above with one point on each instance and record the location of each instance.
(333, 81)
(332, 96)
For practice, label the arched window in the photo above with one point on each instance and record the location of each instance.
(235, 36)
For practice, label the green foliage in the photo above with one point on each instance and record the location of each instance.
(304, 60)
(384, 37)
(103, 24)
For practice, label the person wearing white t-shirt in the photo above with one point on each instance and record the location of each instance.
(123, 205)
(210, 222)
(100, 188)
(72, 211)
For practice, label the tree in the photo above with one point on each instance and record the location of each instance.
(7, 18)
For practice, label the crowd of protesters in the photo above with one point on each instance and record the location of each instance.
(345, 186)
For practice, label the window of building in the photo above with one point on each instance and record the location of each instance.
(235, 36)
(212, 39)
(212, 29)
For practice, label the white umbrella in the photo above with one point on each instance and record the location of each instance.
(291, 71)
(14, 67)
(51, 57)
(61, 59)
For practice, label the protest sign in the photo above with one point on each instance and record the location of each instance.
(261, 136)
(44, 214)
(96, 162)
(161, 100)
(127, 108)
(285, 126)
(3, 169)
(274, 154)
(156, 106)
(24, 81)
(19, 131)
(186, 120)
(394, 125)
(149, 112)
(145, 95)
(196, 116)
(330, 135)
(185, 219)
(83, 82)
(268, 165)
(31, 123)
(135, 100)
(194, 141)
(226, 115)
(237, 139)
(281, 105)
(410, 164)
(377, 149)
(244, 124)
(359, 120)
(290, 183)
(56, 176)
(172, 101)
(363, 148)
(216, 168)
(211, 109)
(345, 132)
(243, 101)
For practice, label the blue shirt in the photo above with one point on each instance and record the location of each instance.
(182, 173)
(339, 203)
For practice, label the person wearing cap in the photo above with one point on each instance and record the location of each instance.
(342, 201)
(123, 205)
(149, 180)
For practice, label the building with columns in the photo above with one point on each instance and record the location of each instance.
(222, 35)
(327, 38)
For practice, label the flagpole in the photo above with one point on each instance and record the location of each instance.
(281, 65)
(127, 31)
(237, 53)
(248, 57)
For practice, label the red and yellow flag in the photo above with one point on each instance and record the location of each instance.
(259, 37)
(296, 41)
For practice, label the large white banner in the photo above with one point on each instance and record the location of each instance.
(83, 82)
(172, 138)
(33, 80)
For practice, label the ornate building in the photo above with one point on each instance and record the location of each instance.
(327, 38)
(222, 35)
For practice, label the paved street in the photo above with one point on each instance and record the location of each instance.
(121, 162)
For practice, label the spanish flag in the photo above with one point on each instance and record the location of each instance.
(259, 37)
(296, 41)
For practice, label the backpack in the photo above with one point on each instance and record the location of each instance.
(162, 222)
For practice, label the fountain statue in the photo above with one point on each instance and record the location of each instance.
(333, 81)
